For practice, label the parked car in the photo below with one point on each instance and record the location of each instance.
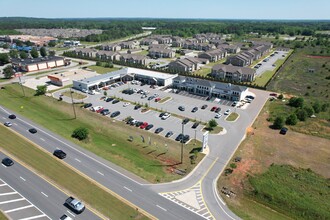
(149, 126)
(185, 121)
(7, 162)
(204, 107)
(195, 109)
(179, 137)
(115, 101)
(185, 138)
(96, 108)
(99, 110)
(12, 116)
(33, 130)
(137, 107)
(129, 120)
(227, 112)
(87, 105)
(65, 217)
(126, 104)
(249, 97)
(151, 97)
(8, 124)
(133, 122)
(157, 99)
(218, 110)
(144, 125)
(60, 154)
(109, 99)
(161, 114)
(218, 115)
(105, 112)
(158, 130)
(213, 108)
(143, 96)
(138, 124)
(284, 130)
(115, 114)
(195, 125)
(181, 108)
(166, 115)
(169, 134)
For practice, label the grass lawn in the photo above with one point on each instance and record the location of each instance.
(58, 173)
(262, 147)
(108, 138)
(75, 95)
(2, 216)
(211, 64)
(143, 52)
(164, 99)
(232, 117)
(102, 70)
(203, 71)
(215, 130)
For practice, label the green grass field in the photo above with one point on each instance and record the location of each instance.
(2, 216)
(102, 70)
(75, 95)
(204, 71)
(232, 117)
(108, 138)
(65, 178)
(164, 99)
(298, 193)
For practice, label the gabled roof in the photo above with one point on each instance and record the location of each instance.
(233, 69)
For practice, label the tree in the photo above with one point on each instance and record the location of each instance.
(280, 96)
(296, 102)
(80, 133)
(309, 110)
(317, 107)
(43, 51)
(212, 124)
(105, 93)
(4, 58)
(34, 53)
(13, 53)
(301, 114)
(99, 63)
(52, 53)
(41, 90)
(51, 44)
(324, 107)
(291, 119)
(278, 122)
(23, 55)
(5, 46)
(8, 72)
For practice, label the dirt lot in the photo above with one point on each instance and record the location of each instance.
(264, 146)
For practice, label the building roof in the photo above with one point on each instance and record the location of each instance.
(232, 69)
(35, 60)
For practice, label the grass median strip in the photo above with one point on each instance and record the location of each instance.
(232, 117)
(65, 177)
(2, 216)
(75, 95)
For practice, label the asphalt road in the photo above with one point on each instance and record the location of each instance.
(109, 175)
(39, 192)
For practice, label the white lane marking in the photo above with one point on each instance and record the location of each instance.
(10, 201)
(215, 193)
(15, 124)
(33, 217)
(3, 117)
(221, 201)
(22, 178)
(3, 165)
(161, 208)
(42, 139)
(78, 160)
(70, 213)
(4, 184)
(17, 209)
(100, 173)
(9, 193)
(44, 194)
(128, 189)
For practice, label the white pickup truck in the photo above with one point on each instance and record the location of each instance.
(75, 205)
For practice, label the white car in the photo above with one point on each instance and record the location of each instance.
(96, 108)
(166, 116)
(126, 104)
(8, 124)
(218, 115)
(227, 112)
(84, 90)
(91, 92)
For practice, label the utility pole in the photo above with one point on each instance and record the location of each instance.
(20, 82)
(182, 143)
(74, 110)
(195, 136)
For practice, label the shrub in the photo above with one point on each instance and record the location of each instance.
(41, 90)
(278, 122)
(296, 102)
(317, 107)
(212, 123)
(309, 110)
(301, 114)
(233, 165)
(291, 120)
(80, 133)
(324, 107)
(280, 96)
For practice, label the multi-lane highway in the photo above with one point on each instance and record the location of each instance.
(23, 194)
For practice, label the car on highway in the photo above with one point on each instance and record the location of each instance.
(115, 114)
(227, 112)
(218, 115)
(33, 130)
(204, 107)
(217, 110)
(195, 125)
(105, 112)
(12, 116)
(115, 101)
(126, 104)
(195, 109)
(185, 121)
(149, 126)
(8, 124)
(158, 130)
(169, 134)
(181, 108)
(7, 162)
(166, 115)
(179, 137)
(213, 108)
(144, 125)
(137, 107)
(59, 154)
(75, 205)
(88, 105)
(284, 130)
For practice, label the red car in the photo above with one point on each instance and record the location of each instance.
(99, 110)
(213, 108)
(157, 99)
(144, 125)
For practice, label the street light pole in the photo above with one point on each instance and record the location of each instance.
(20, 82)
(195, 136)
(74, 110)
(182, 143)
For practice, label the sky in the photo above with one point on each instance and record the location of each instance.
(214, 9)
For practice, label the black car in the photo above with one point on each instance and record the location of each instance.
(129, 120)
(115, 101)
(179, 137)
(60, 154)
(108, 99)
(181, 108)
(115, 114)
(284, 130)
(151, 97)
(158, 130)
(195, 125)
(87, 105)
(218, 110)
(169, 134)
(7, 162)
(137, 107)
(185, 138)
(139, 123)
(64, 217)
(162, 114)
(12, 116)
(149, 127)
(185, 121)
(33, 130)
(204, 107)
(249, 97)
(105, 112)
(194, 109)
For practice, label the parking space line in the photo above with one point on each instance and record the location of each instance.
(9, 193)
(100, 173)
(128, 189)
(70, 213)
(13, 200)
(161, 208)
(17, 209)
(22, 178)
(4, 184)
(44, 194)
(33, 217)
(42, 139)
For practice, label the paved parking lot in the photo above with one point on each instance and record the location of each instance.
(269, 64)
(16, 206)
